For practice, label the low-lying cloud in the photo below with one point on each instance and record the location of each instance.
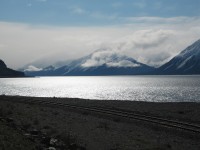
(123, 63)
(148, 40)
(110, 58)
(32, 68)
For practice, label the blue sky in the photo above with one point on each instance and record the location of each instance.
(42, 32)
(92, 12)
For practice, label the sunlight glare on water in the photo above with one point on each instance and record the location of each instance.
(136, 88)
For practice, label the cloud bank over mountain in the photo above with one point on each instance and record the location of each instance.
(150, 40)
(109, 58)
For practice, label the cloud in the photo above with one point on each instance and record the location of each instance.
(78, 10)
(151, 40)
(155, 46)
(156, 20)
(26, 43)
(146, 46)
(109, 57)
(32, 68)
(97, 15)
(102, 16)
(100, 57)
(41, 0)
(123, 63)
(30, 4)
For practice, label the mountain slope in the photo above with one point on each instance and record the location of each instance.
(187, 62)
(101, 62)
(7, 72)
(108, 64)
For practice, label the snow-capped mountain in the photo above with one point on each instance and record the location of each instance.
(100, 62)
(187, 62)
(34, 71)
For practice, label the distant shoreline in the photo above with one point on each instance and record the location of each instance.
(106, 75)
(195, 75)
(161, 108)
(83, 99)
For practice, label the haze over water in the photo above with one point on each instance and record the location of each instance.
(134, 88)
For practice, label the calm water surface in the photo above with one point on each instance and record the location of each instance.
(134, 88)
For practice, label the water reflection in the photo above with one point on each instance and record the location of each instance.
(137, 88)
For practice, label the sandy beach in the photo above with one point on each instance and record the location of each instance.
(39, 126)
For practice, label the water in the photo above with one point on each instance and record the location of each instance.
(134, 88)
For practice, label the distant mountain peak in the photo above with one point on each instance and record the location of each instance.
(186, 62)
(193, 49)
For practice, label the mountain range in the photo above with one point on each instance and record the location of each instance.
(106, 62)
(101, 62)
(7, 72)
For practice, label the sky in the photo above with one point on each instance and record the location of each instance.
(43, 32)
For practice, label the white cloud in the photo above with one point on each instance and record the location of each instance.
(100, 57)
(109, 57)
(146, 46)
(151, 40)
(32, 68)
(123, 63)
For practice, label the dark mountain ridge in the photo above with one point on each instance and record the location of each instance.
(7, 72)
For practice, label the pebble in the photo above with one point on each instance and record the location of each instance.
(53, 141)
(51, 148)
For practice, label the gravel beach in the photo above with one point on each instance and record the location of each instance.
(38, 126)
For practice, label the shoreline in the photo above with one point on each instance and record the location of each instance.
(178, 110)
(88, 131)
